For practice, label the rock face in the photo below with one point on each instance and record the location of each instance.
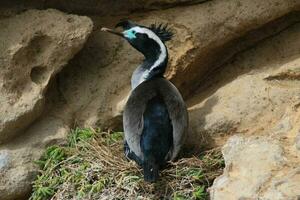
(236, 62)
(256, 168)
(34, 46)
(17, 168)
(192, 52)
(95, 7)
(251, 93)
(249, 165)
(255, 95)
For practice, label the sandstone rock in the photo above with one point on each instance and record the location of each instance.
(214, 34)
(257, 93)
(34, 46)
(239, 98)
(258, 167)
(92, 7)
(261, 167)
(297, 141)
(284, 188)
(17, 167)
(108, 61)
(249, 165)
(16, 177)
(3, 159)
(284, 126)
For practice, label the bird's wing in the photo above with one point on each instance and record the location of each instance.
(135, 108)
(177, 112)
(133, 115)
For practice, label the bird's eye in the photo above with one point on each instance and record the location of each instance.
(133, 31)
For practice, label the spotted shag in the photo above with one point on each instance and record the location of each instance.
(155, 117)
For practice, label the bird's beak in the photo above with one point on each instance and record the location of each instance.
(112, 31)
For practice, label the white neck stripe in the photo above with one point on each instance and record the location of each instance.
(163, 50)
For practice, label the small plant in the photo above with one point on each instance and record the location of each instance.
(79, 135)
(177, 196)
(195, 173)
(45, 185)
(92, 166)
(199, 193)
(114, 137)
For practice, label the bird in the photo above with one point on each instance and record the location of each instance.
(155, 117)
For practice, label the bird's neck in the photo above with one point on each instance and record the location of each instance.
(154, 65)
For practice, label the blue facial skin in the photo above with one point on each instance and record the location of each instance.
(130, 34)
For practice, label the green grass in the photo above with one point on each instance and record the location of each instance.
(91, 165)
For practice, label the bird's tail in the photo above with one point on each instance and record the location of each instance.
(151, 170)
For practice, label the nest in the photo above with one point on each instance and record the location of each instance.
(92, 166)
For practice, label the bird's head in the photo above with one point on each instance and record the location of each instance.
(148, 40)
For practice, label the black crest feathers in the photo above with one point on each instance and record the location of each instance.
(162, 31)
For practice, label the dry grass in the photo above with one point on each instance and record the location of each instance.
(92, 166)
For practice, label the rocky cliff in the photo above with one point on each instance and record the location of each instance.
(237, 63)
